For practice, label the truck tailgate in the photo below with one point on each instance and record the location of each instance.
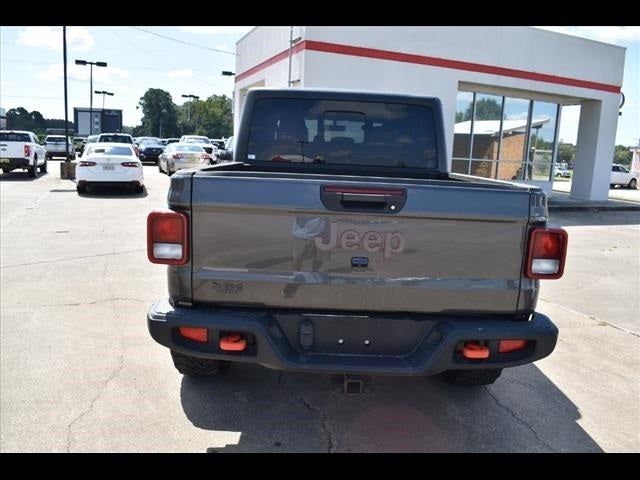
(273, 241)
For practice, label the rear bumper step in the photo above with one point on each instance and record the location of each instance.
(436, 345)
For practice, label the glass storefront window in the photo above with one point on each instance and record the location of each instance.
(503, 137)
(462, 132)
(514, 138)
(541, 140)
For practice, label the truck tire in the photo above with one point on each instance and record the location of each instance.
(43, 167)
(472, 377)
(33, 170)
(633, 183)
(198, 367)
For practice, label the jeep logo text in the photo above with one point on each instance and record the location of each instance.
(371, 241)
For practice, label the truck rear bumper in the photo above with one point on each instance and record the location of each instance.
(398, 345)
(13, 163)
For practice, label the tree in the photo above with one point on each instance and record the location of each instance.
(486, 109)
(566, 153)
(214, 116)
(19, 119)
(211, 117)
(622, 155)
(160, 117)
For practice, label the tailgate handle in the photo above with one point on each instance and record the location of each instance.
(363, 199)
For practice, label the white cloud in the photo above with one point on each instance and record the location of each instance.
(602, 34)
(107, 75)
(216, 30)
(78, 38)
(180, 73)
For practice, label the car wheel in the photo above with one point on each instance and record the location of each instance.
(633, 184)
(33, 169)
(198, 367)
(472, 377)
(43, 167)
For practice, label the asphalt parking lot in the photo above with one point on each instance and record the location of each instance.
(79, 371)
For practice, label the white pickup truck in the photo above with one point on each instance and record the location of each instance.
(56, 147)
(21, 149)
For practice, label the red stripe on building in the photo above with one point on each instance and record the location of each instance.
(340, 49)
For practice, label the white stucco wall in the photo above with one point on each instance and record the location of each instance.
(525, 49)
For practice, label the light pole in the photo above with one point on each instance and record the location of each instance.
(91, 64)
(193, 97)
(103, 93)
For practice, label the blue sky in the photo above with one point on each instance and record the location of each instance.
(31, 68)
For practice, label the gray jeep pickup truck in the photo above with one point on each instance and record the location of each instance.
(338, 242)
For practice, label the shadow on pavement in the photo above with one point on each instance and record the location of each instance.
(19, 176)
(573, 219)
(289, 412)
(112, 192)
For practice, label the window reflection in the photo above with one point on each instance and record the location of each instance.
(503, 137)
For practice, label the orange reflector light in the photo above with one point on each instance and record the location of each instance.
(233, 343)
(511, 345)
(195, 333)
(475, 351)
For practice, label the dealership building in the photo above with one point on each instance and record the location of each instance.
(502, 89)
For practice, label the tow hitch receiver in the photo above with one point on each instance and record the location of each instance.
(353, 385)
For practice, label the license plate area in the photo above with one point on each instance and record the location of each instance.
(353, 335)
(109, 167)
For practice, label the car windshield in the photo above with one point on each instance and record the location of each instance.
(14, 137)
(339, 132)
(92, 138)
(189, 148)
(51, 139)
(111, 150)
(115, 138)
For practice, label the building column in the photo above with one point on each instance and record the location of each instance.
(594, 151)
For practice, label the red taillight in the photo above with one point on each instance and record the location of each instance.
(176, 156)
(507, 346)
(205, 157)
(167, 237)
(84, 163)
(130, 164)
(27, 150)
(196, 334)
(547, 252)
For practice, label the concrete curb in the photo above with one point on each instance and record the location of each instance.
(594, 208)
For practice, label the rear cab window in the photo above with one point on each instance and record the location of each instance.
(15, 137)
(343, 132)
(115, 139)
(96, 150)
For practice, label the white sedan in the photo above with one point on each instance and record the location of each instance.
(183, 155)
(109, 164)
